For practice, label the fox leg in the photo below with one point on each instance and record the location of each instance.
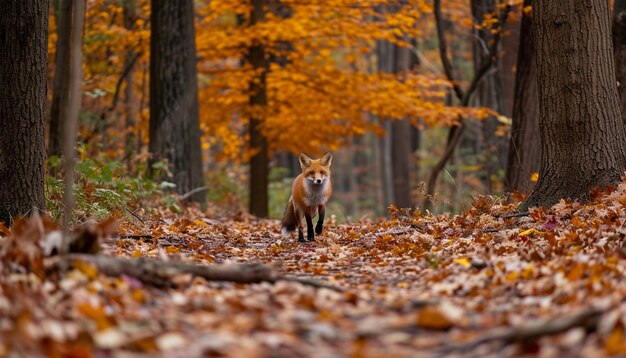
(320, 220)
(300, 226)
(309, 227)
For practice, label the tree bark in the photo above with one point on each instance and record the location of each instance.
(132, 140)
(385, 57)
(508, 63)
(583, 138)
(174, 124)
(71, 111)
(61, 84)
(489, 95)
(525, 146)
(619, 51)
(23, 70)
(259, 162)
(401, 152)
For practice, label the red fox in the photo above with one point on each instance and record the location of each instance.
(309, 193)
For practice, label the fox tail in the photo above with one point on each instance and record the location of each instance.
(289, 221)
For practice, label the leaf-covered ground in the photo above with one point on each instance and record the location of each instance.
(549, 283)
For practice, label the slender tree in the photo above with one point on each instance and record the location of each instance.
(71, 111)
(489, 94)
(401, 151)
(259, 162)
(23, 67)
(174, 124)
(583, 138)
(525, 145)
(60, 86)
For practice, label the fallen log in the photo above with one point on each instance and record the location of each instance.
(160, 273)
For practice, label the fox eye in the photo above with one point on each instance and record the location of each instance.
(323, 172)
(310, 173)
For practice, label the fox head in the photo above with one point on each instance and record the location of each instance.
(316, 171)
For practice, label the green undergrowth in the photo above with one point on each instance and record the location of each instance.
(104, 187)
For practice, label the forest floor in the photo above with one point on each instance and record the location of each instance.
(489, 282)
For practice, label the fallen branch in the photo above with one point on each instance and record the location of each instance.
(192, 192)
(531, 332)
(310, 282)
(160, 273)
(513, 215)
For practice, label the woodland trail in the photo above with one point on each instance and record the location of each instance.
(551, 283)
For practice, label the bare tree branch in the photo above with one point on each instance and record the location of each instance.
(455, 132)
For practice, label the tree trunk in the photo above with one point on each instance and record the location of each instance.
(259, 162)
(132, 146)
(401, 153)
(508, 63)
(174, 124)
(583, 138)
(71, 111)
(385, 57)
(61, 84)
(619, 51)
(23, 68)
(525, 146)
(489, 95)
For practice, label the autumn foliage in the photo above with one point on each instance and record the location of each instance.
(321, 82)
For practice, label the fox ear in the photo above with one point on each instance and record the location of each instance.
(305, 161)
(327, 158)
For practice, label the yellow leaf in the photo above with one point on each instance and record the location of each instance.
(88, 269)
(200, 223)
(534, 177)
(172, 249)
(527, 10)
(530, 232)
(615, 344)
(463, 261)
(504, 120)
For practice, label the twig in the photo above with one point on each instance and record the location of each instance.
(136, 237)
(514, 215)
(531, 332)
(310, 282)
(129, 66)
(192, 192)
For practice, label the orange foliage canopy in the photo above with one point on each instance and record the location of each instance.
(322, 83)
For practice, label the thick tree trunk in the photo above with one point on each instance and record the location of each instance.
(61, 84)
(583, 138)
(619, 51)
(259, 162)
(23, 67)
(174, 124)
(525, 145)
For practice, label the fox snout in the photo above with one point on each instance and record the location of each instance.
(318, 180)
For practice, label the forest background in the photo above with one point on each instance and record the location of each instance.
(363, 79)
